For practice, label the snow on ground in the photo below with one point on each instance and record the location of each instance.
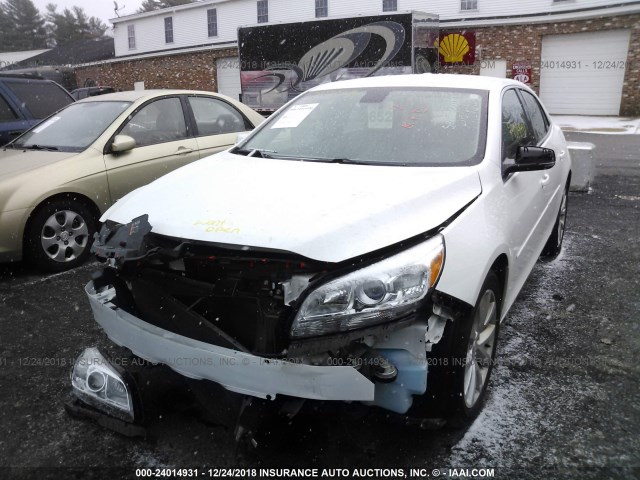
(512, 419)
(605, 125)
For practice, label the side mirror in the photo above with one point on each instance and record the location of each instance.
(529, 159)
(241, 136)
(122, 143)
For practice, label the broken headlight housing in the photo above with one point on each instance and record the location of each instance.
(372, 295)
(96, 382)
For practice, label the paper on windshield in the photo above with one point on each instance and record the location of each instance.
(295, 115)
(46, 124)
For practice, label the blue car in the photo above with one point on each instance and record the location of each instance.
(24, 101)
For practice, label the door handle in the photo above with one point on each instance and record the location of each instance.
(545, 179)
(183, 150)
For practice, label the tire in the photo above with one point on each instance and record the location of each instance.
(59, 235)
(554, 243)
(460, 365)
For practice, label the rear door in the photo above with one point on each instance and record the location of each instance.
(217, 123)
(164, 142)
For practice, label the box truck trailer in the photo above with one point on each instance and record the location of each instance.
(280, 61)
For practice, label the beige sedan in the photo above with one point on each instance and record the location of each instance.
(60, 176)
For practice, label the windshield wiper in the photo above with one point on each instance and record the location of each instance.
(255, 152)
(346, 161)
(40, 147)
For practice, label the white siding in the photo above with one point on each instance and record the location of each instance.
(190, 21)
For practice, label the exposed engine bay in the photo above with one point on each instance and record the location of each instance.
(164, 298)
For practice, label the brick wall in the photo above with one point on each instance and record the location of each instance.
(195, 71)
(523, 43)
(514, 43)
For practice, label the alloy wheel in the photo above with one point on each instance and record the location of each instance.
(482, 342)
(64, 236)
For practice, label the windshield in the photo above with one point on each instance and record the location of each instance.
(390, 126)
(74, 128)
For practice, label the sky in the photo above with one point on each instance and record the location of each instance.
(103, 9)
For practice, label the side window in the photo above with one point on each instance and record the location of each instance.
(539, 121)
(158, 122)
(40, 98)
(6, 112)
(515, 129)
(214, 117)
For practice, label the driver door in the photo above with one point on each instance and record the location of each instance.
(163, 143)
(524, 196)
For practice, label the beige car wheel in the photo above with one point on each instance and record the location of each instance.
(59, 235)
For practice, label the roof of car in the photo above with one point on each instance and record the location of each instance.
(424, 80)
(135, 95)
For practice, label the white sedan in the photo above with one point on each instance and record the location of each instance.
(363, 244)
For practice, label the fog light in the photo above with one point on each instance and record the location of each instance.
(96, 382)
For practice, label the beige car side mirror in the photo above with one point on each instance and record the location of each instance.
(123, 143)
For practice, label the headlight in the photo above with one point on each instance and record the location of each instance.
(375, 294)
(98, 384)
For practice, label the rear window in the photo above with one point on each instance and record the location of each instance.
(40, 98)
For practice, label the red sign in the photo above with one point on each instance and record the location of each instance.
(457, 48)
(522, 72)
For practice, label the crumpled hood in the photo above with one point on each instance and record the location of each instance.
(327, 212)
(16, 161)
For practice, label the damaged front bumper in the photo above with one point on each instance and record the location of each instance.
(236, 371)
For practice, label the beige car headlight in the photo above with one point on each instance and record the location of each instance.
(372, 295)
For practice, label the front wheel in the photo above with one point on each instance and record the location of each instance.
(479, 337)
(59, 235)
(460, 365)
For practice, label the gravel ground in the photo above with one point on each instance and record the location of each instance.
(564, 400)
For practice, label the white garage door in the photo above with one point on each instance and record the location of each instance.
(228, 70)
(583, 73)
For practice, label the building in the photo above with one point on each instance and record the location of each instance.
(582, 56)
(9, 58)
(59, 63)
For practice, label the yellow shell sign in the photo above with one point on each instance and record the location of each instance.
(457, 48)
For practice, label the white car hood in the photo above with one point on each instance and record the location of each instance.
(327, 212)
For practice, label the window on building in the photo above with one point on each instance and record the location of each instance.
(168, 30)
(322, 8)
(131, 35)
(468, 4)
(212, 22)
(263, 11)
(389, 5)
